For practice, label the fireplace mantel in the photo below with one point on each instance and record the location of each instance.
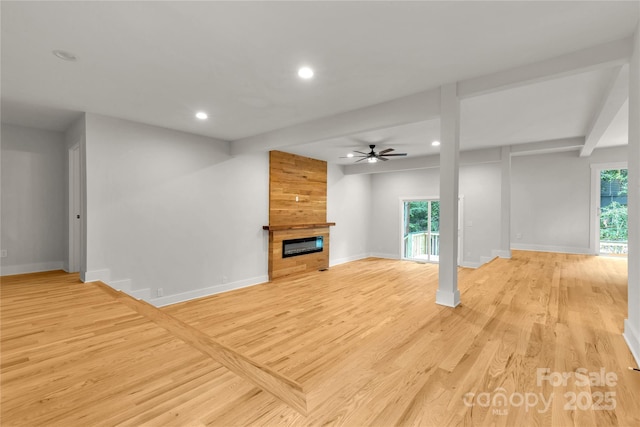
(297, 226)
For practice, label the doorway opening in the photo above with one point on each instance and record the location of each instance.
(610, 205)
(421, 230)
(613, 212)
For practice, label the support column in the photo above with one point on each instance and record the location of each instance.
(632, 324)
(505, 203)
(448, 293)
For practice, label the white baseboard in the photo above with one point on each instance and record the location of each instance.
(144, 294)
(205, 292)
(448, 299)
(10, 270)
(347, 259)
(96, 275)
(381, 255)
(123, 285)
(471, 264)
(632, 337)
(486, 259)
(126, 286)
(498, 253)
(545, 248)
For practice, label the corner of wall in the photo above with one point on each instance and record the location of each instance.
(10, 270)
(334, 262)
(96, 276)
(198, 293)
(632, 337)
(498, 253)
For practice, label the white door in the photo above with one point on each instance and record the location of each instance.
(75, 208)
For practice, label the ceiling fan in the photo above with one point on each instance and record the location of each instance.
(373, 157)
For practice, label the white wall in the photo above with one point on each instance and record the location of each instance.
(632, 324)
(173, 211)
(349, 206)
(480, 186)
(550, 199)
(33, 200)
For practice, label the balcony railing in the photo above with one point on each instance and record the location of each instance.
(419, 245)
(617, 248)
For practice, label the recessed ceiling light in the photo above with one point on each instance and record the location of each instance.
(64, 55)
(435, 143)
(350, 155)
(202, 116)
(305, 73)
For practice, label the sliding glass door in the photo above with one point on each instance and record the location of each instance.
(421, 230)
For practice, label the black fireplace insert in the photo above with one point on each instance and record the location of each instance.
(303, 246)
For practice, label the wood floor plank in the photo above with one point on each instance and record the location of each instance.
(365, 341)
(264, 377)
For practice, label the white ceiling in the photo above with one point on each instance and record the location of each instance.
(160, 62)
(554, 109)
(414, 139)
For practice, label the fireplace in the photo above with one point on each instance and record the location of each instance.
(288, 242)
(303, 246)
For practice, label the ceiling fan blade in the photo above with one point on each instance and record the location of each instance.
(382, 158)
(364, 158)
(395, 154)
(388, 150)
(360, 152)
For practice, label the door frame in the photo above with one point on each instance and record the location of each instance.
(404, 199)
(594, 214)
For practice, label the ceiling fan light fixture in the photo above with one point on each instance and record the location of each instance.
(373, 156)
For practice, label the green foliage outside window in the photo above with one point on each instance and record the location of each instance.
(419, 215)
(613, 218)
(613, 223)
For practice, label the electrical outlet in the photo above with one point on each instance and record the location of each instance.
(160, 292)
(518, 235)
(224, 279)
(3, 253)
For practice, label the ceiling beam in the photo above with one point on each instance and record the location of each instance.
(471, 157)
(409, 109)
(611, 104)
(602, 56)
(546, 147)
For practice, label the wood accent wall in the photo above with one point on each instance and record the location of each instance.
(292, 176)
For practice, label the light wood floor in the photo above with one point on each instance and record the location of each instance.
(365, 340)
